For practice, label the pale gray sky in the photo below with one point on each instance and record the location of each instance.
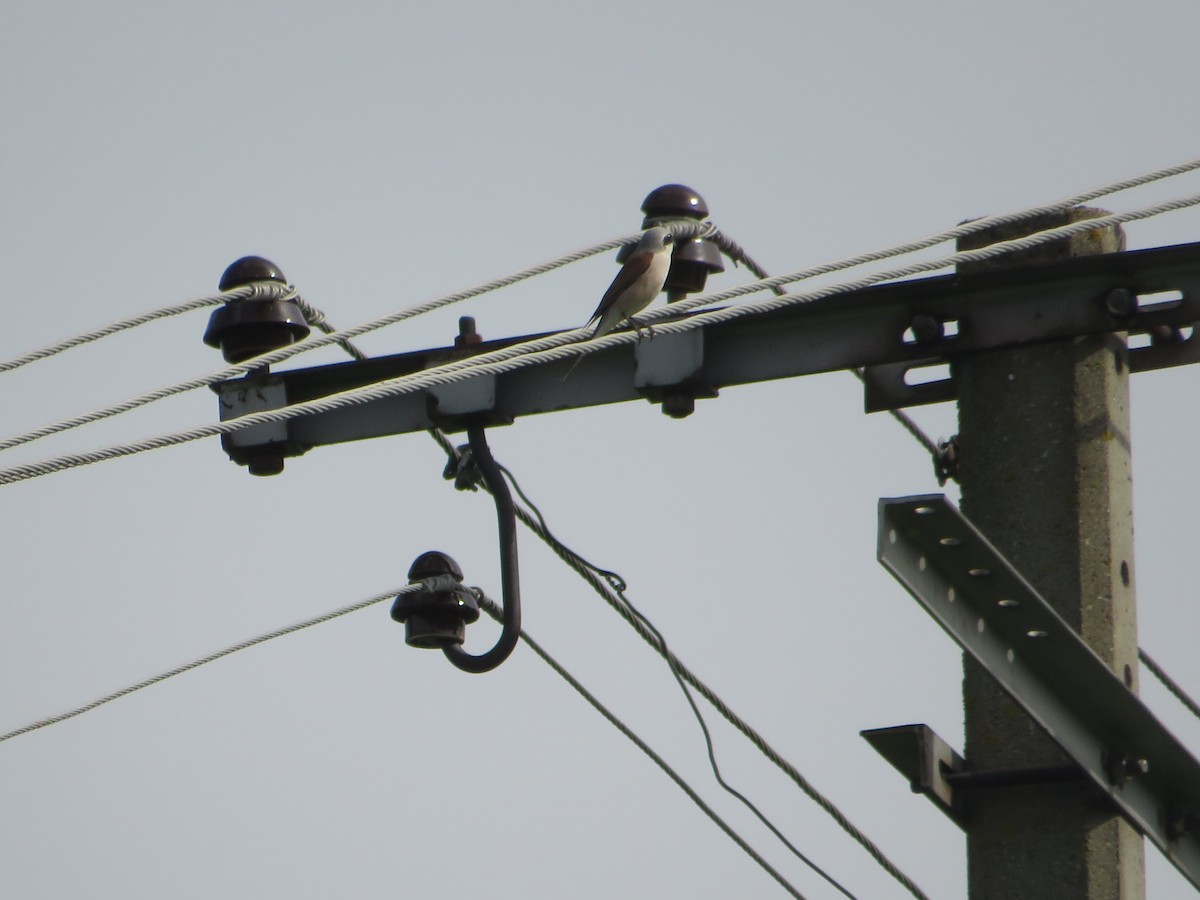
(384, 154)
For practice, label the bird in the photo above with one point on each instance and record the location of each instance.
(635, 287)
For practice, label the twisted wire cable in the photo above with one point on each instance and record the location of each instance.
(974, 226)
(731, 248)
(427, 584)
(681, 230)
(331, 336)
(260, 290)
(437, 583)
(1169, 683)
(549, 349)
(736, 253)
(318, 320)
(314, 316)
(493, 610)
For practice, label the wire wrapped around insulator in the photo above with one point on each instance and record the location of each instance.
(510, 578)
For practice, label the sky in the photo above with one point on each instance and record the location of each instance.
(384, 154)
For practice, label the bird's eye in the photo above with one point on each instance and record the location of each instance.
(668, 237)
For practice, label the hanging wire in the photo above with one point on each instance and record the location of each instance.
(1169, 683)
(610, 586)
(493, 609)
(619, 586)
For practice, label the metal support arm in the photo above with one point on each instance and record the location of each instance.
(977, 596)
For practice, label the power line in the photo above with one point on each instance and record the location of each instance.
(552, 348)
(331, 335)
(261, 290)
(681, 229)
(431, 584)
(904, 419)
(271, 290)
(428, 584)
(609, 585)
(493, 610)
(1169, 683)
(618, 584)
(317, 319)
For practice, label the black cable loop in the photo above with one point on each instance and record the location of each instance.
(510, 578)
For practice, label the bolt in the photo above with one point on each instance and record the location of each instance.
(678, 406)
(1122, 768)
(467, 335)
(1180, 824)
(945, 461)
(1121, 303)
(927, 329)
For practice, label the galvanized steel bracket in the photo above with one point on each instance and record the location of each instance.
(976, 595)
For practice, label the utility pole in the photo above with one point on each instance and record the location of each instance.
(1035, 581)
(1044, 464)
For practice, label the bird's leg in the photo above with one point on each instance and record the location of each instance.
(638, 326)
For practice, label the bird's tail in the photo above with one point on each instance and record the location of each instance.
(595, 334)
(578, 360)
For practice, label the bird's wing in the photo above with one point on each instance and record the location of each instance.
(635, 266)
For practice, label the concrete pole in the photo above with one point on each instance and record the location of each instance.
(1044, 463)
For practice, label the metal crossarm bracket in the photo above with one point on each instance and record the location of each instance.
(995, 615)
(921, 756)
(887, 329)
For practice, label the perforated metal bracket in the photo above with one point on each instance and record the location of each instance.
(976, 595)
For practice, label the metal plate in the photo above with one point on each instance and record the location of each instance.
(996, 616)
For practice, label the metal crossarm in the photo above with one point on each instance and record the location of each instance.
(886, 329)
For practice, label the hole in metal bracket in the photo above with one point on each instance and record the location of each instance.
(933, 331)
(930, 374)
(1159, 300)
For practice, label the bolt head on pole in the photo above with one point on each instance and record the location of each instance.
(248, 327)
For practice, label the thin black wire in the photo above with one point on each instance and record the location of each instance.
(619, 585)
(493, 609)
(615, 581)
(1168, 682)
(603, 588)
(735, 252)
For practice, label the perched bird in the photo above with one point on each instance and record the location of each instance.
(636, 285)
